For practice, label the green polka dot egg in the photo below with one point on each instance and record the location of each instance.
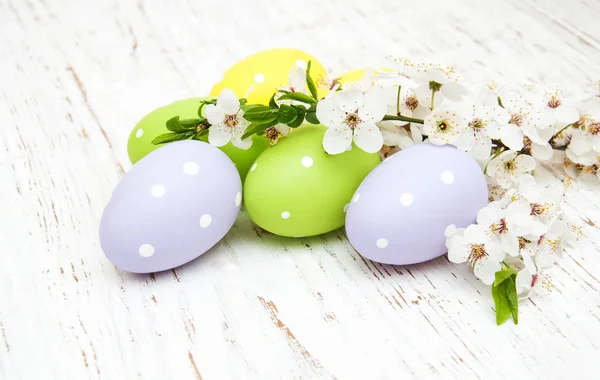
(153, 125)
(296, 189)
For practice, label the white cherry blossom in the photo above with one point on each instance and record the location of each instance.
(329, 81)
(486, 91)
(296, 80)
(551, 244)
(545, 201)
(505, 224)
(510, 167)
(475, 247)
(227, 121)
(482, 123)
(438, 81)
(274, 133)
(352, 115)
(400, 75)
(586, 176)
(524, 121)
(556, 107)
(584, 144)
(444, 126)
(591, 102)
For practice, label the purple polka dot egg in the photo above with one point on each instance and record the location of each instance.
(400, 211)
(171, 207)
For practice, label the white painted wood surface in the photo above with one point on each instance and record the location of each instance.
(77, 75)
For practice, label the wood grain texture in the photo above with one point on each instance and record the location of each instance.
(77, 75)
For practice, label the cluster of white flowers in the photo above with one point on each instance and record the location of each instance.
(507, 131)
(523, 228)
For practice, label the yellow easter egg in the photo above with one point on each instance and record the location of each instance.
(259, 76)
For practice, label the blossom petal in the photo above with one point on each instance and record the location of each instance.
(374, 107)
(580, 144)
(482, 149)
(566, 114)
(488, 215)
(237, 141)
(415, 133)
(350, 100)
(283, 129)
(424, 94)
(228, 101)
(542, 152)
(392, 134)
(476, 234)
(244, 144)
(458, 249)
(454, 91)
(337, 140)
(494, 250)
(329, 113)
(512, 137)
(485, 269)
(523, 282)
(367, 137)
(517, 208)
(421, 112)
(297, 79)
(465, 141)
(214, 114)
(501, 115)
(544, 259)
(525, 162)
(219, 135)
(510, 244)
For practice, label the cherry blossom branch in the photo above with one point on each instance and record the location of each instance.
(403, 118)
(398, 101)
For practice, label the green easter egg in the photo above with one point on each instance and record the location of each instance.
(153, 125)
(296, 189)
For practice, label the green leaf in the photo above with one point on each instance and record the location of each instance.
(501, 303)
(272, 102)
(311, 117)
(310, 83)
(171, 137)
(255, 128)
(502, 275)
(513, 298)
(174, 125)
(247, 107)
(297, 96)
(300, 119)
(190, 123)
(259, 113)
(287, 114)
